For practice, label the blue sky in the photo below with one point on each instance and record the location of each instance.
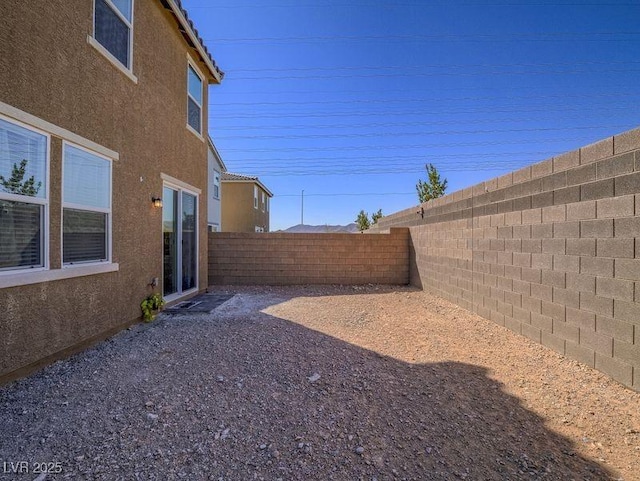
(349, 99)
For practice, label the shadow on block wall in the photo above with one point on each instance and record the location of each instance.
(549, 251)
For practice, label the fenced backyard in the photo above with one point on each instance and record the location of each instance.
(324, 382)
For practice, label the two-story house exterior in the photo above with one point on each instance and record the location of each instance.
(103, 165)
(245, 205)
(214, 203)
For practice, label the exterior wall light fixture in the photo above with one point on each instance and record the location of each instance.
(156, 201)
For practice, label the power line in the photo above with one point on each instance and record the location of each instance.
(390, 125)
(392, 168)
(409, 134)
(350, 164)
(538, 36)
(430, 74)
(377, 113)
(433, 66)
(421, 4)
(461, 162)
(348, 194)
(417, 163)
(294, 164)
(412, 157)
(411, 167)
(422, 99)
(352, 172)
(453, 161)
(378, 148)
(376, 90)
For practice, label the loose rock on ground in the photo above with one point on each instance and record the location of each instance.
(304, 383)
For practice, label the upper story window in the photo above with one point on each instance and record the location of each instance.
(216, 184)
(113, 28)
(86, 202)
(255, 197)
(194, 100)
(23, 196)
(267, 205)
(264, 202)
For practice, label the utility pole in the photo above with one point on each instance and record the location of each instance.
(302, 208)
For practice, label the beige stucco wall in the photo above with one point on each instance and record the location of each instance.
(48, 69)
(238, 213)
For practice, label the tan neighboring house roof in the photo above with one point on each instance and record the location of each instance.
(230, 177)
(191, 36)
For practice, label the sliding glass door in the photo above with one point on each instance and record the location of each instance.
(180, 241)
(189, 242)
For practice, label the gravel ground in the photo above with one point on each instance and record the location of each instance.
(323, 383)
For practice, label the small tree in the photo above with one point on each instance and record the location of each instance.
(362, 221)
(16, 183)
(433, 188)
(376, 216)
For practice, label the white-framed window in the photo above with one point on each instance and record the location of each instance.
(194, 99)
(113, 28)
(216, 184)
(264, 202)
(255, 196)
(267, 205)
(24, 196)
(86, 206)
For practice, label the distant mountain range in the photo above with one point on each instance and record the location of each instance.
(320, 229)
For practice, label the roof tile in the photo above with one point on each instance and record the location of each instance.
(195, 32)
(231, 176)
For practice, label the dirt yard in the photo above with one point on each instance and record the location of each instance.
(343, 383)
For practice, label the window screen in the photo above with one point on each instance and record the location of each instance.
(86, 196)
(194, 100)
(23, 196)
(113, 28)
(20, 235)
(84, 236)
(216, 185)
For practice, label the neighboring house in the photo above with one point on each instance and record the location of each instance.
(214, 204)
(245, 204)
(103, 107)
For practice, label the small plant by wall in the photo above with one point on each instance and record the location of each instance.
(151, 305)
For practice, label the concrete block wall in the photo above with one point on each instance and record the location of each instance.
(290, 259)
(551, 251)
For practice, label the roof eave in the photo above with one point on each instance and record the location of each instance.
(264, 187)
(214, 149)
(216, 73)
(250, 181)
